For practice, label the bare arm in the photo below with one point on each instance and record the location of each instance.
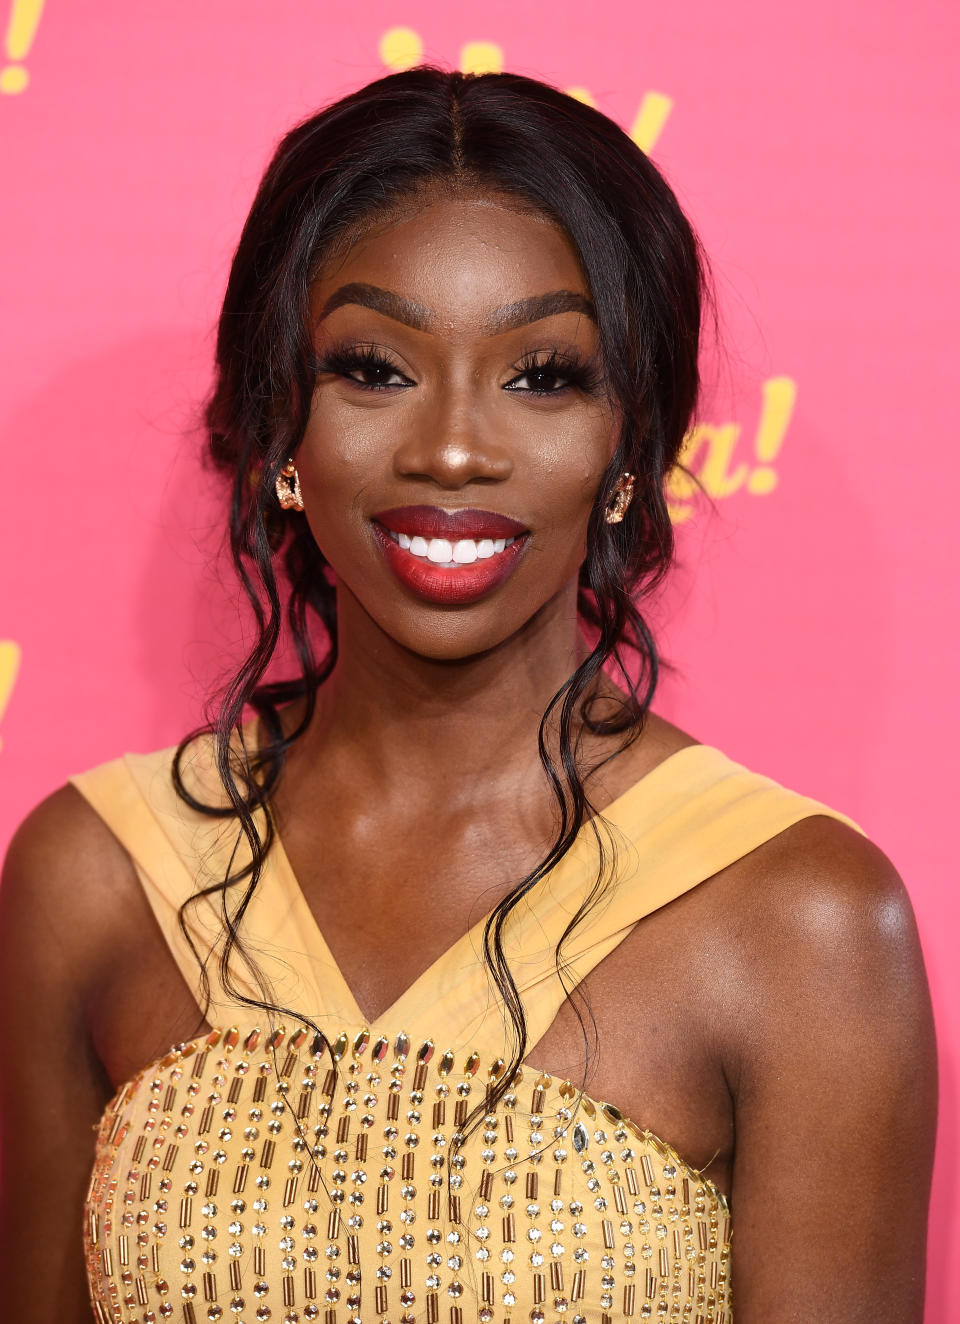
(835, 1088)
(55, 926)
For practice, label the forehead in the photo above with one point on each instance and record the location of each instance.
(460, 257)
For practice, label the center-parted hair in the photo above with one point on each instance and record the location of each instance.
(398, 139)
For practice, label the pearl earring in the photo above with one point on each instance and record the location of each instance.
(619, 504)
(288, 487)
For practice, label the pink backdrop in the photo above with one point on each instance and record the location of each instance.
(808, 620)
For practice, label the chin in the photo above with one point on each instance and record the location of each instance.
(459, 633)
(451, 640)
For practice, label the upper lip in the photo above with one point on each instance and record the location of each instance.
(435, 522)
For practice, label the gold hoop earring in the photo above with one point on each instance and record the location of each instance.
(620, 502)
(288, 487)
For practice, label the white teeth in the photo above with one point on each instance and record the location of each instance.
(439, 550)
(465, 552)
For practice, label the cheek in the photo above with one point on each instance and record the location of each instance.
(340, 441)
(569, 466)
(579, 439)
(344, 453)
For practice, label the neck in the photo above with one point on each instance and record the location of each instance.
(390, 717)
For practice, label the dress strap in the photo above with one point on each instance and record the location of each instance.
(178, 852)
(693, 815)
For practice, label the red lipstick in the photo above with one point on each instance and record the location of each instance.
(451, 557)
(435, 522)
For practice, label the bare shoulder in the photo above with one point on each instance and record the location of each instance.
(57, 827)
(818, 911)
(64, 878)
(53, 832)
(822, 892)
(61, 901)
(831, 1062)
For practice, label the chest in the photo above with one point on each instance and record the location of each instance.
(387, 914)
(642, 1031)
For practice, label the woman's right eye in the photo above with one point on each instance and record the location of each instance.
(366, 368)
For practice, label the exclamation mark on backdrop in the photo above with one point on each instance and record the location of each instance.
(9, 666)
(21, 30)
(779, 397)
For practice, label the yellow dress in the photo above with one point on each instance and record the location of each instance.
(245, 1178)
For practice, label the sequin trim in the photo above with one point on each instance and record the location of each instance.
(248, 1178)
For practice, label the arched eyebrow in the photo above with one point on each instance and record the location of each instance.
(507, 318)
(538, 306)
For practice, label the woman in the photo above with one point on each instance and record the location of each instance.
(457, 357)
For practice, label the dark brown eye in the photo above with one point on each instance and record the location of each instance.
(365, 366)
(374, 374)
(553, 375)
(543, 381)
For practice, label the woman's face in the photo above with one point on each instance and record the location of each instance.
(459, 405)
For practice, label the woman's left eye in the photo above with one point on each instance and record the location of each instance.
(378, 375)
(548, 378)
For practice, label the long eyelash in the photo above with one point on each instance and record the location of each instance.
(343, 359)
(582, 373)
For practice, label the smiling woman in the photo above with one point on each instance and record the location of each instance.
(457, 359)
(459, 538)
(481, 388)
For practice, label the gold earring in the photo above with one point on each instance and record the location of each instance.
(623, 495)
(288, 487)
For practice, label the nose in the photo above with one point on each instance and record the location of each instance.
(452, 452)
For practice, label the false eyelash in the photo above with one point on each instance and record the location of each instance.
(568, 364)
(342, 359)
(578, 372)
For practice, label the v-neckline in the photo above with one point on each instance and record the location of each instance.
(278, 863)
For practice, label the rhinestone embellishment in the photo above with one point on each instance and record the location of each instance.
(265, 1176)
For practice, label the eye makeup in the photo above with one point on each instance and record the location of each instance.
(554, 371)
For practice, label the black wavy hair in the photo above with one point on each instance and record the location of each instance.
(368, 153)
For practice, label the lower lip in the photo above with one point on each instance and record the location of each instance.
(453, 586)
